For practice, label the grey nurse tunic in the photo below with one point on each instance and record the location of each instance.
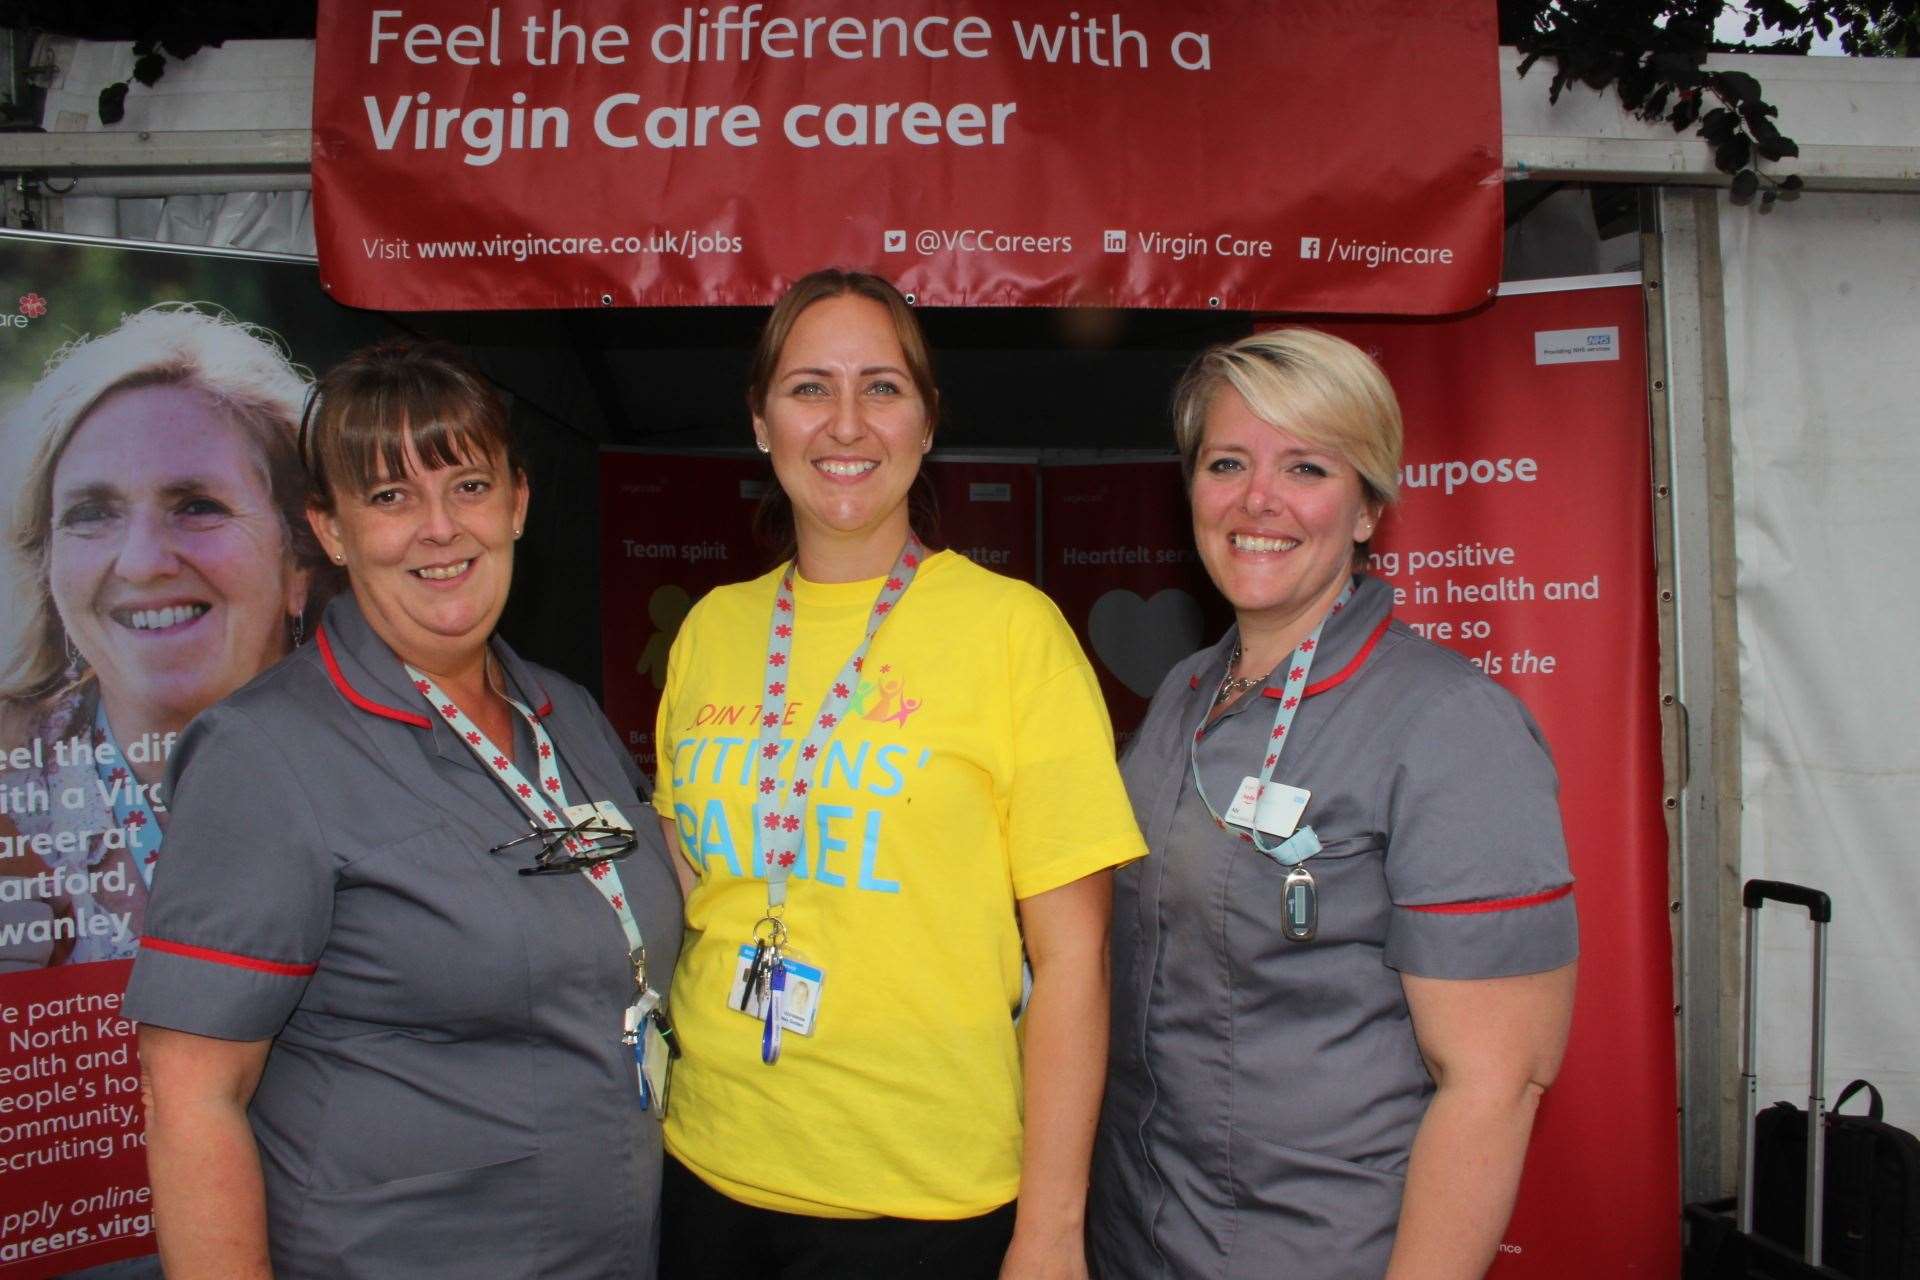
(1263, 1094)
(447, 1094)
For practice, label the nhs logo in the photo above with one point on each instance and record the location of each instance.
(1576, 346)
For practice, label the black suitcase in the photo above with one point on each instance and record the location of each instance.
(1720, 1239)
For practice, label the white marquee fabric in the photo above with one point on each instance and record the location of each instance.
(1823, 346)
(247, 84)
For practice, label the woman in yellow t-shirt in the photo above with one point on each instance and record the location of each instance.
(891, 777)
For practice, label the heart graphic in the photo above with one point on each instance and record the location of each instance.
(1140, 640)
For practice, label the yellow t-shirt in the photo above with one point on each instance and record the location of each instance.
(974, 767)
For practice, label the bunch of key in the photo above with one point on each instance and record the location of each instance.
(767, 982)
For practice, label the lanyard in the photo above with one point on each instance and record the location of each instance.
(780, 812)
(1302, 844)
(133, 812)
(543, 804)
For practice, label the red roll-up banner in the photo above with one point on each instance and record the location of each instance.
(989, 511)
(1524, 539)
(672, 528)
(1337, 157)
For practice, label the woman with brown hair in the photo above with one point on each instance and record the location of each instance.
(887, 769)
(399, 991)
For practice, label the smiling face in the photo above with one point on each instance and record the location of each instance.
(429, 554)
(169, 564)
(846, 428)
(1274, 518)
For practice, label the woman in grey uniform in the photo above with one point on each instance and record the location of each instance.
(378, 1040)
(1343, 976)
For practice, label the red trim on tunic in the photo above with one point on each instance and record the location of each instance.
(227, 957)
(1490, 904)
(1345, 673)
(1193, 682)
(353, 695)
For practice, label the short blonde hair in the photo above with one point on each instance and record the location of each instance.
(1320, 388)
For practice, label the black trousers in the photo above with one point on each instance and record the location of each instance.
(706, 1234)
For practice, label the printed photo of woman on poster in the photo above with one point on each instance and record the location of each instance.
(153, 517)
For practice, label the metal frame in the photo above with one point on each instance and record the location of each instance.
(1689, 389)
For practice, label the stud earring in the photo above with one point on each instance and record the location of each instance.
(762, 445)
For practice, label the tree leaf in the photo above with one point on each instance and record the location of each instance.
(1776, 148)
(1792, 182)
(113, 103)
(1733, 155)
(1737, 85)
(149, 69)
(1745, 183)
(1719, 125)
(1685, 113)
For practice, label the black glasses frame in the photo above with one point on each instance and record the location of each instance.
(604, 842)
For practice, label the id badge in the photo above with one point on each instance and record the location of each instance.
(1275, 811)
(656, 1063)
(802, 1003)
(650, 1034)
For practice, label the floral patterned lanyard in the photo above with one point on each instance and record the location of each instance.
(544, 805)
(780, 811)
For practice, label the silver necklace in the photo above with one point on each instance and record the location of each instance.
(1231, 685)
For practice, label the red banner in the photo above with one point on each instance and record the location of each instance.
(1524, 539)
(1120, 564)
(1222, 153)
(73, 1141)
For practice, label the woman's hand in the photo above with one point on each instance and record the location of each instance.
(1492, 1045)
(209, 1203)
(1065, 1069)
(1061, 1258)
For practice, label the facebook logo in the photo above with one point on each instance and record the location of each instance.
(1309, 246)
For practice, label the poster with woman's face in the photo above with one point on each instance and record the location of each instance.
(153, 558)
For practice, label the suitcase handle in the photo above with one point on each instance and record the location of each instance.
(1818, 904)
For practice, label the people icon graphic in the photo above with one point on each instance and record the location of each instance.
(666, 609)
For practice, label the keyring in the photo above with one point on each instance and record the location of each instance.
(776, 934)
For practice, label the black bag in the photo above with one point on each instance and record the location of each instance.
(1872, 1180)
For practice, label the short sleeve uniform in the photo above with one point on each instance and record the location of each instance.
(973, 767)
(447, 1092)
(1263, 1094)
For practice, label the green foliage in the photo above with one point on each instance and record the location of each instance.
(1653, 53)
